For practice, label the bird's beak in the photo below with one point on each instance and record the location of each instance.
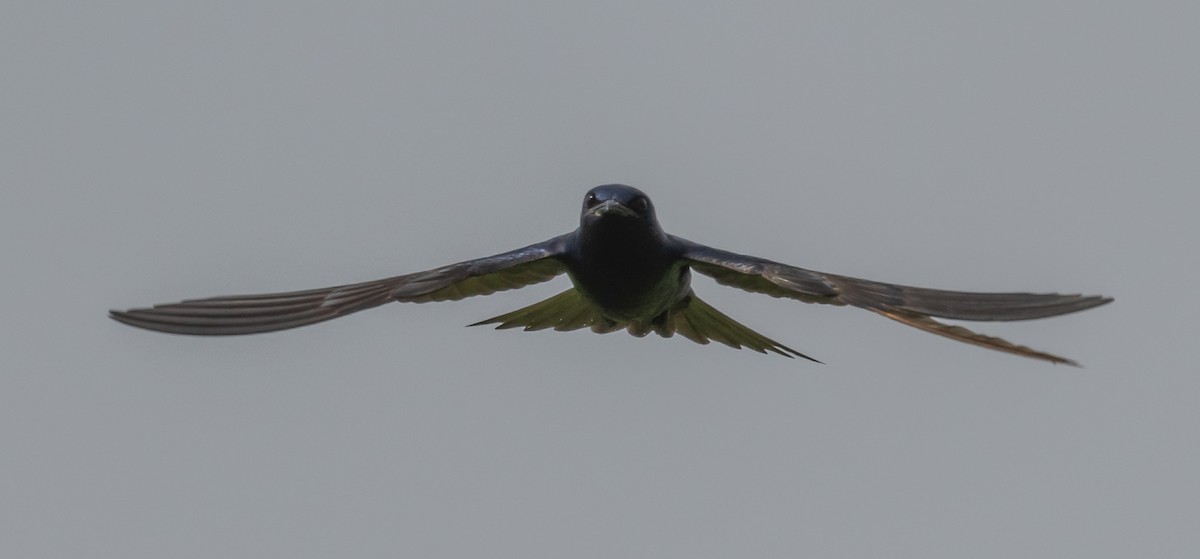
(612, 207)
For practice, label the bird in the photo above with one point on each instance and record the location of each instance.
(626, 274)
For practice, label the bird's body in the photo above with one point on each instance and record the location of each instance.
(626, 274)
(625, 265)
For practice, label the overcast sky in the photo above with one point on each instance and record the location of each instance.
(154, 151)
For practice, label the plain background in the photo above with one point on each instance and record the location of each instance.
(153, 151)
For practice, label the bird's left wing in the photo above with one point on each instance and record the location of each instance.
(250, 314)
(914, 306)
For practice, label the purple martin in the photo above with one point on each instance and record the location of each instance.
(626, 274)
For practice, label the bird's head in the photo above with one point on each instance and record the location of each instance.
(617, 204)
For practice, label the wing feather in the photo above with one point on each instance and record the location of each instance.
(962, 334)
(250, 314)
(914, 306)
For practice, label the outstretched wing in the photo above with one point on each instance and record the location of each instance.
(250, 314)
(914, 306)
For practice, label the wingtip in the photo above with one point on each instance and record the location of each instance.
(1059, 360)
(128, 318)
(1093, 301)
(118, 315)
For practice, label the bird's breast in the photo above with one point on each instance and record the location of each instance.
(631, 284)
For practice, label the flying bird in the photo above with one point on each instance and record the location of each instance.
(626, 273)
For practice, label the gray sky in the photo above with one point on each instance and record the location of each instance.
(153, 151)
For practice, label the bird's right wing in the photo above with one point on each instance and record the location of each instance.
(250, 314)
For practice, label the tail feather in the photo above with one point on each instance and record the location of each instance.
(700, 322)
(566, 311)
(693, 318)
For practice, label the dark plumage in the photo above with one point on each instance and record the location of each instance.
(627, 274)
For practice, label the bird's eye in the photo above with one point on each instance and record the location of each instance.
(590, 200)
(641, 204)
